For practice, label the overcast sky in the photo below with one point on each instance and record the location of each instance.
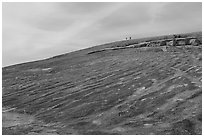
(33, 31)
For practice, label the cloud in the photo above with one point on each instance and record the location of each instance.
(181, 16)
(133, 14)
(83, 7)
(180, 11)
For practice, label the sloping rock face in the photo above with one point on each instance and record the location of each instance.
(126, 91)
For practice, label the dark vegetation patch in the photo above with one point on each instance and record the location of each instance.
(184, 127)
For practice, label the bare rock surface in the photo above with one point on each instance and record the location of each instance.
(125, 91)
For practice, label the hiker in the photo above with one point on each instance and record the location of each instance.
(130, 37)
(174, 40)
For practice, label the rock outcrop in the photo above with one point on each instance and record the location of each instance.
(194, 42)
(158, 43)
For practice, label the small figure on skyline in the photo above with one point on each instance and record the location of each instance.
(174, 40)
